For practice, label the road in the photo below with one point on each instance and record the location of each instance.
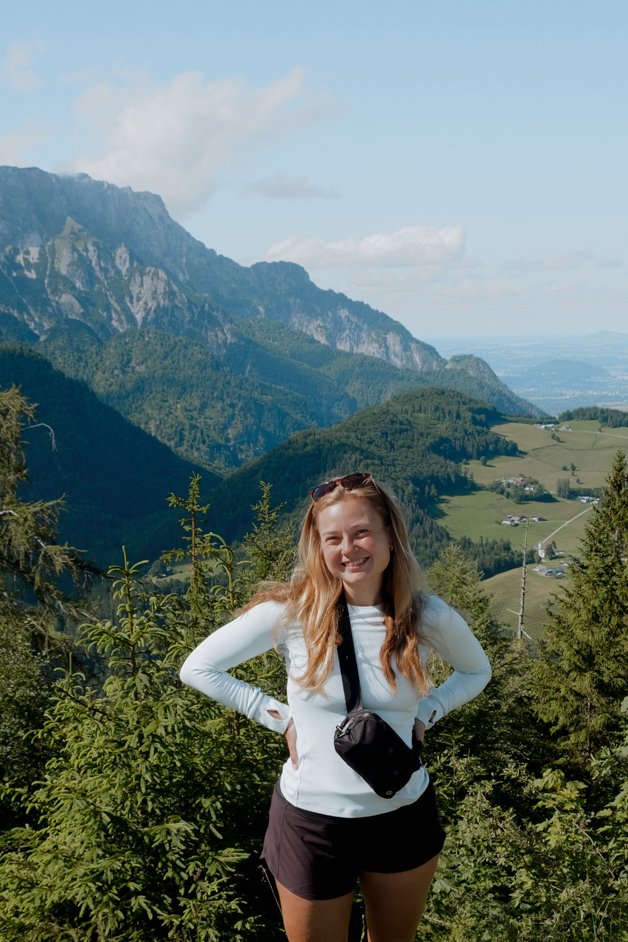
(567, 522)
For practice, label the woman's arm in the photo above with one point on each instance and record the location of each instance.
(248, 635)
(450, 636)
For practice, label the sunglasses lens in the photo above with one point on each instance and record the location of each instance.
(349, 482)
(317, 492)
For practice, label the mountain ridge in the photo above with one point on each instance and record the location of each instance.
(280, 353)
(140, 238)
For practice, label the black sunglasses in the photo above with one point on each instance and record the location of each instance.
(350, 482)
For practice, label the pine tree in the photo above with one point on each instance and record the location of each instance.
(269, 547)
(31, 559)
(35, 608)
(580, 679)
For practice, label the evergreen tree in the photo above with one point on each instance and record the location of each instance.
(270, 546)
(580, 678)
(527, 857)
(35, 611)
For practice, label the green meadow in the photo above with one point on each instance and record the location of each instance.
(591, 450)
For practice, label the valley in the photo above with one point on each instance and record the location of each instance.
(581, 445)
(555, 373)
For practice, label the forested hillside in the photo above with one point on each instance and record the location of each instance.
(133, 809)
(114, 477)
(416, 442)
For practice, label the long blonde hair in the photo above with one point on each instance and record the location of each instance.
(312, 594)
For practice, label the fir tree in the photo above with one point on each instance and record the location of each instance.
(35, 608)
(583, 665)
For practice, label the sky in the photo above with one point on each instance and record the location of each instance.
(457, 164)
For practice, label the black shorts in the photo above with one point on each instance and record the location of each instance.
(317, 856)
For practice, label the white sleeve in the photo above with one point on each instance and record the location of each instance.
(248, 635)
(444, 630)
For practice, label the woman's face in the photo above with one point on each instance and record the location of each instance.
(356, 547)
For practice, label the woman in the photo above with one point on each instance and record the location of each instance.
(327, 829)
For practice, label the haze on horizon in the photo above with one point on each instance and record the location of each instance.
(458, 166)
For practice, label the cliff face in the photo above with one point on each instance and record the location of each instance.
(73, 247)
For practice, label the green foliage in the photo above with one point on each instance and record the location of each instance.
(269, 549)
(529, 855)
(581, 673)
(29, 552)
(554, 876)
(111, 473)
(128, 836)
(36, 611)
(490, 556)
(610, 418)
(414, 442)
(151, 814)
(147, 819)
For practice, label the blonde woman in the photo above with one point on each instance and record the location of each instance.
(328, 830)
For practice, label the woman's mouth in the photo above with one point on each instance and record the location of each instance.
(355, 563)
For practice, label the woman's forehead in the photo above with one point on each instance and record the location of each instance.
(347, 512)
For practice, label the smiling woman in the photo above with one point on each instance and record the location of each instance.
(328, 829)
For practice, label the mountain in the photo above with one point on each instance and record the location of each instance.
(566, 361)
(75, 247)
(115, 477)
(90, 273)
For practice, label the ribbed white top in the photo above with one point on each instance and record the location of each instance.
(321, 781)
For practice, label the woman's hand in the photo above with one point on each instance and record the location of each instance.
(291, 739)
(419, 730)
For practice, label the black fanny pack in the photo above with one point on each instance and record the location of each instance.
(364, 740)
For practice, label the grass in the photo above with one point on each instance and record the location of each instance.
(590, 449)
(540, 591)
(546, 459)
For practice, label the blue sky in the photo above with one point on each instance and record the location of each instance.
(459, 165)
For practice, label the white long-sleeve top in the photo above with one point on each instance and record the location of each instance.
(322, 781)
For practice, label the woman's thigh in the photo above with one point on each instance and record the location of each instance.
(321, 920)
(394, 902)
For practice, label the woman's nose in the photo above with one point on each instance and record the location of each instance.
(347, 544)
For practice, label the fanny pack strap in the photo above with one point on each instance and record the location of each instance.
(346, 657)
(349, 670)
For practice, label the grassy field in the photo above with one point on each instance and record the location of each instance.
(476, 515)
(547, 460)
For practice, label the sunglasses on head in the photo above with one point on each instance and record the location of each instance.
(350, 482)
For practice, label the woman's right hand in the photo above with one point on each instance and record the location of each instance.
(291, 739)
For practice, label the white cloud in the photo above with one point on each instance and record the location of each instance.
(16, 145)
(16, 70)
(412, 246)
(285, 186)
(173, 138)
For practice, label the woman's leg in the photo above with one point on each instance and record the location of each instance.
(394, 902)
(320, 920)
